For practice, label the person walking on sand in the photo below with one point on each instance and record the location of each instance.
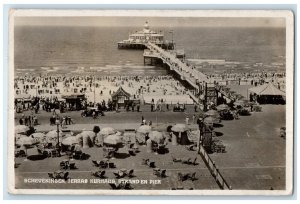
(187, 120)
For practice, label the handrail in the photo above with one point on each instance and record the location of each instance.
(215, 172)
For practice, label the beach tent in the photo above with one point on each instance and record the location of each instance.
(267, 90)
(268, 94)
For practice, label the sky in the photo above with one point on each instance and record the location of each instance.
(153, 21)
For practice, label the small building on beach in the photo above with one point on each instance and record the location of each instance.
(120, 96)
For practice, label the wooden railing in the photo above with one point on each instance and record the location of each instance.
(213, 169)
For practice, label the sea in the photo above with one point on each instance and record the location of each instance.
(93, 50)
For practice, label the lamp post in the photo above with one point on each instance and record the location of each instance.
(172, 32)
(57, 122)
(94, 81)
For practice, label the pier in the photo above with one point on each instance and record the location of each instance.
(197, 82)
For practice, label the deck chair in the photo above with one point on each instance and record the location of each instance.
(54, 153)
(151, 164)
(176, 159)
(130, 173)
(183, 177)
(128, 186)
(190, 147)
(66, 176)
(103, 164)
(50, 175)
(63, 165)
(131, 152)
(195, 161)
(163, 173)
(60, 175)
(16, 165)
(111, 165)
(119, 174)
(95, 163)
(186, 161)
(156, 171)
(72, 166)
(101, 175)
(22, 153)
(40, 151)
(94, 173)
(45, 153)
(145, 161)
(114, 186)
(193, 176)
(110, 154)
(155, 147)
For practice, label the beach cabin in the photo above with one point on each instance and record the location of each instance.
(120, 96)
(74, 101)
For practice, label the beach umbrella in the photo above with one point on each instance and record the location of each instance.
(89, 134)
(212, 113)
(239, 96)
(211, 120)
(77, 147)
(112, 140)
(87, 138)
(70, 141)
(21, 129)
(156, 136)
(179, 128)
(19, 136)
(241, 102)
(26, 142)
(201, 115)
(144, 129)
(39, 136)
(222, 107)
(107, 131)
(52, 135)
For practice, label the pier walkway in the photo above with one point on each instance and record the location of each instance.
(186, 72)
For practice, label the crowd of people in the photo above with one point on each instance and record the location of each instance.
(95, 88)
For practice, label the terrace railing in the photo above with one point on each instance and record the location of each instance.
(223, 184)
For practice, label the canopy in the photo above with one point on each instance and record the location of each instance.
(21, 129)
(38, 136)
(19, 136)
(144, 129)
(212, 113)
(179, 128)
(53, 134)
(211, 120)
(107, 131)
(156, 136)
(241, 102)
(112, 139)
(89, 134)
(26, 141)
(222, 107)
(70, 140)
(267, 89)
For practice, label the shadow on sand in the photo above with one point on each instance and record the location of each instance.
(218, 125)
(121, 155)
(218, 134)
(36, 157)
